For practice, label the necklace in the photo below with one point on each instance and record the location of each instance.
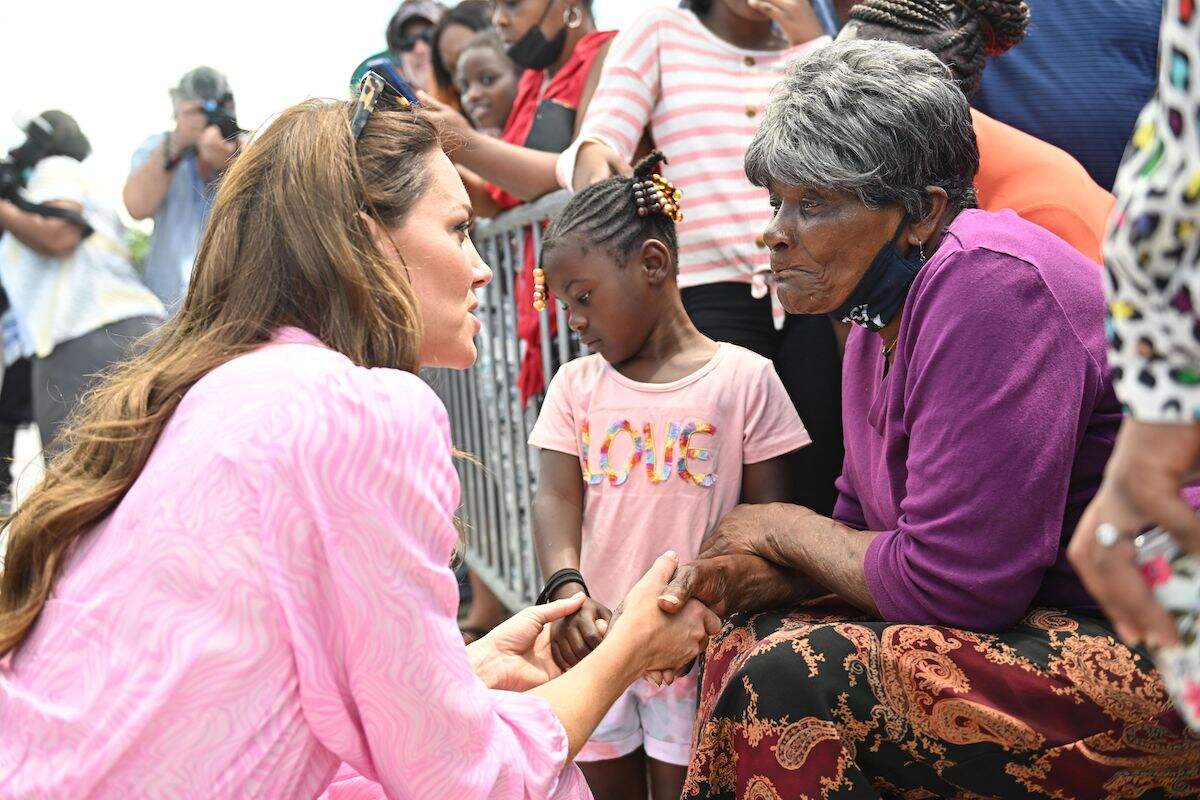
(887, 351)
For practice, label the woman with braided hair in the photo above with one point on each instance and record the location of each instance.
(1040, 182)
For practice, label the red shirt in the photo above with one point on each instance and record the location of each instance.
(566, 87)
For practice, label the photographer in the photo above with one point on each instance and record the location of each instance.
(174, 178)
(77, 302)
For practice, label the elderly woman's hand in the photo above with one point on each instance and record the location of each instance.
(1142, 485)
(732, 583)
(755, 530)
(516, 655)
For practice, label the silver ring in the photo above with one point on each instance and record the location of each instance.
(1107, 534)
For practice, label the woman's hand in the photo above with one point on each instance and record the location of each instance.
(656, 640)
(795, 18)
(595, 162)
(1141, 488)
(515, 655)
(444, 117)
(573, 637)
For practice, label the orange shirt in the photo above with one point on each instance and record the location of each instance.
(1041, 183)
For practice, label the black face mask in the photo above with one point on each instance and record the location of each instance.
(534, 50)
(880, 294)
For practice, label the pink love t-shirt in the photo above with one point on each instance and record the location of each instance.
(662, 462)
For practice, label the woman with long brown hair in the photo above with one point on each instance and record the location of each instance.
(235, 575)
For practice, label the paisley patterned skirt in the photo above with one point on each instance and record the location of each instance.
(823, 703)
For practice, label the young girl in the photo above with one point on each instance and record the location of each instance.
(698, 78)
(487, 82)
(645, 445)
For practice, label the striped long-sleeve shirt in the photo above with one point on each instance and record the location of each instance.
(701, 98)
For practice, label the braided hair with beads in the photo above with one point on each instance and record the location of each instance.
(963, 33)
(605, 214)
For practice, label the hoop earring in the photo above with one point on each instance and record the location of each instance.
(573, 22)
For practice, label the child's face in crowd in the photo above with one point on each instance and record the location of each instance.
(487, 83)
(612, 307)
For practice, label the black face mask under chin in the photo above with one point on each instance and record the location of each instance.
(534, 50)
(880, 294)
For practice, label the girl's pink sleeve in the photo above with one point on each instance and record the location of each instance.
(356, 524)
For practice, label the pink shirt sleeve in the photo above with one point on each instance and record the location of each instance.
(773, 428)
(356, 525)
(625, 97)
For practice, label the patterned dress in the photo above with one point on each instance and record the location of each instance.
(1153, 252)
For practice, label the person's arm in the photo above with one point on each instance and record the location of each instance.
(1153, 347)
(619, 112)
(557, 527)
(975, 535)
(558, 515)
(558, 518)
(525, 173)
(54, 238)
(998, 385)
(149, 179)
(357, 533)
(148, 182)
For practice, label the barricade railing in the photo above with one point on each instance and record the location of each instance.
(487, 418)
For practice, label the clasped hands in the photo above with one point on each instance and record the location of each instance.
(521, 652)
(738, 569)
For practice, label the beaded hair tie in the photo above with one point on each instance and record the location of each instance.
(657, 195)
(539, 289)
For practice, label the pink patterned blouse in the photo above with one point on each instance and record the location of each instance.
(270, 599)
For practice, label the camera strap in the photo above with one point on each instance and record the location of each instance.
(53, 212)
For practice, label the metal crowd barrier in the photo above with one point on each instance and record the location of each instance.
(487, 419)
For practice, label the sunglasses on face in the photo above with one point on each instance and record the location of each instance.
(380, 84)
(407, 43)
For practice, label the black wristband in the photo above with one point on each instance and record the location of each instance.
(557, 580)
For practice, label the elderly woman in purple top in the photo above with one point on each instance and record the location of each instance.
(934, 638)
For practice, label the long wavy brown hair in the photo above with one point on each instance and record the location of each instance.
(286, 244)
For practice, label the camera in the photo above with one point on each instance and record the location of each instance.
(15, 168)
(215, 111)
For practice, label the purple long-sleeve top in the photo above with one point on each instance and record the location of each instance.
(974, 456)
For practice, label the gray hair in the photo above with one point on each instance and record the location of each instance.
(879, 120)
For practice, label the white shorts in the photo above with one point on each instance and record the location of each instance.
(659, 720)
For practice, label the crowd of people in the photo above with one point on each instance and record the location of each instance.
(892, 349)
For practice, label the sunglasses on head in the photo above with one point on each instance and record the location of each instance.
(380, 83)
(407, 43)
